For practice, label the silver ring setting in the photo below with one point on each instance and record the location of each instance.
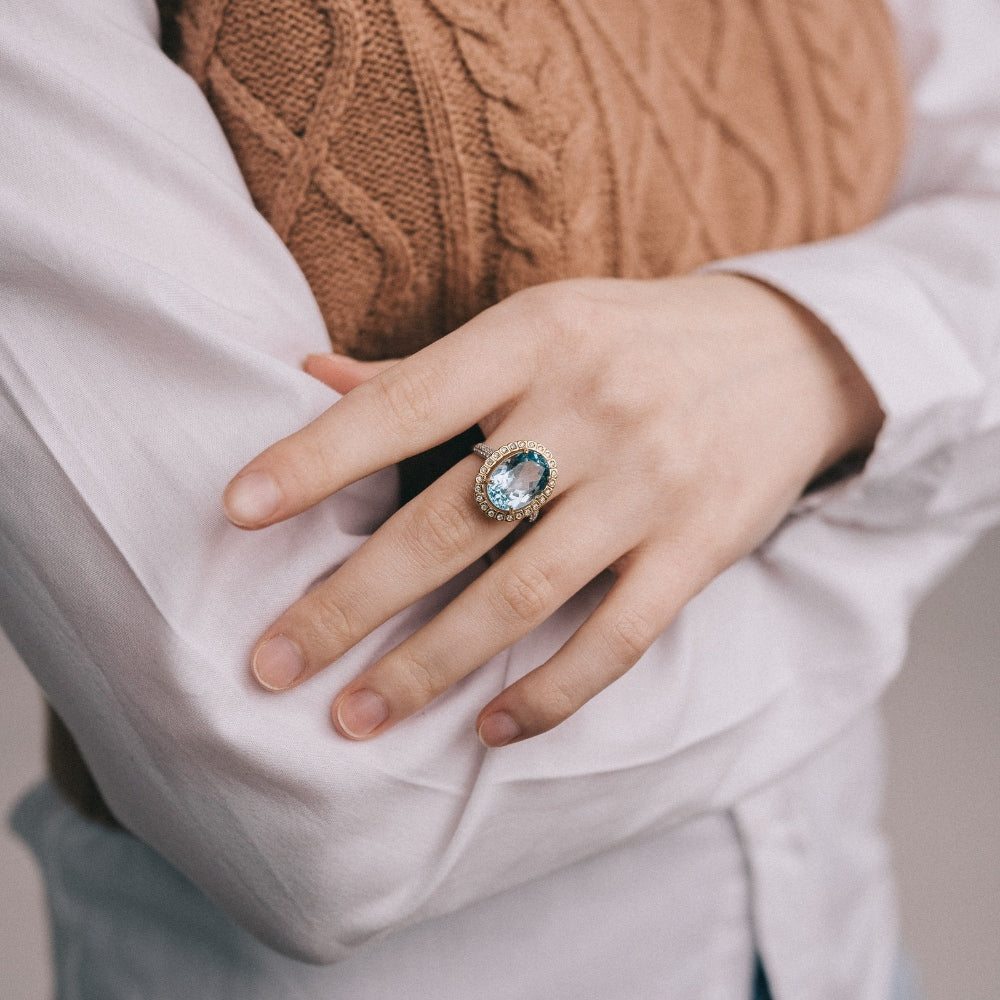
(515, 481)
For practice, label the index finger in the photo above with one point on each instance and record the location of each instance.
(420, 402)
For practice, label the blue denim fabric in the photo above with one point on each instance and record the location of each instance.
(905, 982)
(760, 988)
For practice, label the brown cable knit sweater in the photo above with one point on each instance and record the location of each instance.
(424, 158)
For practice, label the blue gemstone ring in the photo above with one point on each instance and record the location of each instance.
(515, 480)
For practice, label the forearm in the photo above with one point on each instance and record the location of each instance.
(913, 297)
(154, 328)
(154, 325)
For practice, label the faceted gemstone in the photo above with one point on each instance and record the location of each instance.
(518, 480)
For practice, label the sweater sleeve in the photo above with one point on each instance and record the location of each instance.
(152, 327)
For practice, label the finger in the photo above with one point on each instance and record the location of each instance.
(639, 606)
(520, 591)
(409, 407)
(421, 547)
(342, 374)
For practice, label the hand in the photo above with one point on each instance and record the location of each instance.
(686, 416)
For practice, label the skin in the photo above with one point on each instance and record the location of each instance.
(720, 397)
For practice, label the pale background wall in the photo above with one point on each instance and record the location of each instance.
(943, 806)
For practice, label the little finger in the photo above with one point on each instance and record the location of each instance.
(639, 606)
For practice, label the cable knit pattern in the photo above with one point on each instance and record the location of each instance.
(425, 158)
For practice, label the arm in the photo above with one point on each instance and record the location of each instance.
(152, 329)
(692, 429)
(914, 296)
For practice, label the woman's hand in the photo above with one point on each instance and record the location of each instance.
(686, 416)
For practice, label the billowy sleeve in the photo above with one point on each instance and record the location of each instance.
(151, 331)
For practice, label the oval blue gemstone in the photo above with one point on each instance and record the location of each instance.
(518, 480)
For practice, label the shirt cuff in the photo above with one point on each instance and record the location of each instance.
(928, 386)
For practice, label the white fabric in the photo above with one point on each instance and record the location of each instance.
(151, 328)
(123, 917)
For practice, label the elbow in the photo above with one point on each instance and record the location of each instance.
(315, 873)
(320, 910)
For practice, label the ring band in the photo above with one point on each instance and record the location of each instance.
(515, 481)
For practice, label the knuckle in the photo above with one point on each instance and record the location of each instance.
(564, 697)
(562, 314)
(555, 701)
(626, 400)
(328, 622)
(525, 593)
(631, 634)
(436, 532)
(683, 466)
(416, 681)
(407, 396)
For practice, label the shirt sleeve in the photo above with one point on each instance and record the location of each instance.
(915, 296)
(150, 334)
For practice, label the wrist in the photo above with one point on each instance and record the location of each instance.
(839, 408)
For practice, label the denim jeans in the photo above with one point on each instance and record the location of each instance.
(905, 982)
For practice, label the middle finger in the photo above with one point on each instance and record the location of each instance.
(422, 546)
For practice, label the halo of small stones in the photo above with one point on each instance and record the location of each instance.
(528, 512)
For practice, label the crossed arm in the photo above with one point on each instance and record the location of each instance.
(153, 333)
(688, 415)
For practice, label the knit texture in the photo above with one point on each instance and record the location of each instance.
(423, 159)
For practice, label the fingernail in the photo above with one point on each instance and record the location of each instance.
(498, 729)
(278, 663)
(360, 713)
(251, 498)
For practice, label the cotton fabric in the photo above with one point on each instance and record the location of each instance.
(152, 329)
(423, 160)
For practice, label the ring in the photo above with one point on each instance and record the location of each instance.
(515, 480)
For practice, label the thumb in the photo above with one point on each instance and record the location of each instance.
(342, 374)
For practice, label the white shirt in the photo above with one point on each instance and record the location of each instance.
(720, 797)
